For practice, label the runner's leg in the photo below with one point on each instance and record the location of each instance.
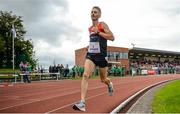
(88, 69)
(103, 75)
(104, 79)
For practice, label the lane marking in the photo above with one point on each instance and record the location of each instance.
(74, 92)
(64, 95)
(88, 99)
(74, 103)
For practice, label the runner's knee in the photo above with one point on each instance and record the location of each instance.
(86, 75)
(105, 80)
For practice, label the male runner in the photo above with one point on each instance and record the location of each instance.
(97, 51)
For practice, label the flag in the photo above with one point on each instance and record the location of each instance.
(13, 31)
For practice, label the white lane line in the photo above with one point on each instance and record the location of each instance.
(42, 92)
(2, 86)
(74, 103)
(49, 98)
(58, 96)
(77, 101)
(6, 85)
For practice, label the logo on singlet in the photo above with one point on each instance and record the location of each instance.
(93, 37)
(94, 48)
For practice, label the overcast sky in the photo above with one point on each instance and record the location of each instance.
(59, 27)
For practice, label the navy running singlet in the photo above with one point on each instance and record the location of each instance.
(97, 44)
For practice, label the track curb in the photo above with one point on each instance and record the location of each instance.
(125, 103)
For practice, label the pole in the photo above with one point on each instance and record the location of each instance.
(13, 47)
(13, 37)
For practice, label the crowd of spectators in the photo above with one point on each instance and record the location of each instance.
(116, 70)
(161, 67)
(76, 71)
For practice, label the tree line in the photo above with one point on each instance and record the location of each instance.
(23, 48)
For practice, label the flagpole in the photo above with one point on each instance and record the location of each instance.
(13, 37)
(13, 47)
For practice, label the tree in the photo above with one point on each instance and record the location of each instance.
(23, 48)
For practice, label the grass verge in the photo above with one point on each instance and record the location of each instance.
(167, 99)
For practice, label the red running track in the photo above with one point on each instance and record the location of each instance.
(59, 96)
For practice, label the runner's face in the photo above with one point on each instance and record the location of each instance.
(95, 14)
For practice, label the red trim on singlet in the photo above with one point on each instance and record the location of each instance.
(100, 28)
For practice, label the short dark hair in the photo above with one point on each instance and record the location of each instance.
(98, 8)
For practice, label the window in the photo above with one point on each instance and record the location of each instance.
(124, 55)
(120, 55)
(117, 55)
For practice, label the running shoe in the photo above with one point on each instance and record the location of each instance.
(110, 89)
(80, 106)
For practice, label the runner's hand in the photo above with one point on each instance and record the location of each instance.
(95, 29)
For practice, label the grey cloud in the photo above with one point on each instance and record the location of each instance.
(170, 8)
(37, 16)
(52, 32)
(173, 11)
(171, 43)
(33, 10)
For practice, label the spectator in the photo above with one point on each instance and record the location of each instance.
(25, 71)
(66, 71)
(73, 71)
(61, 70)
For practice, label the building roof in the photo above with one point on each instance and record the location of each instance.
(134, 49)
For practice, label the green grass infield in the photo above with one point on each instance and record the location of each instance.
(167, 99)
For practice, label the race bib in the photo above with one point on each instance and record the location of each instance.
(94, 47)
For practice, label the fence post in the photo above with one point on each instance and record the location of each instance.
(57, 74)
(15, 78)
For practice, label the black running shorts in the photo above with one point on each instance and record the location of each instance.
(98, 60)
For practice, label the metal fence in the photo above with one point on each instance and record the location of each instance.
(32, 76)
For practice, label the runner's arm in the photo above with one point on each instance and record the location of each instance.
(107, 32)
(87, 48)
